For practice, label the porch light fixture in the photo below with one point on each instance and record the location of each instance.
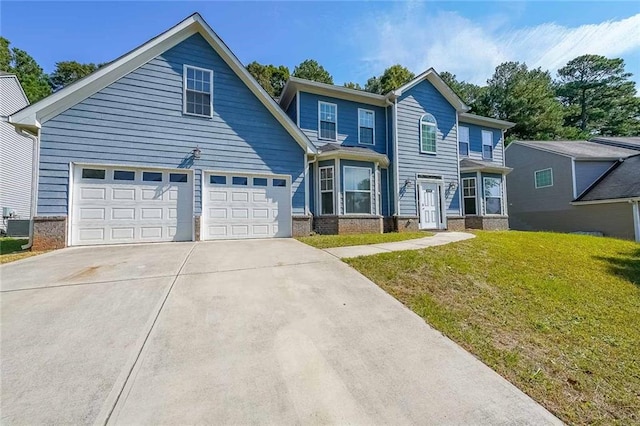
(452, 186)
(196, 153)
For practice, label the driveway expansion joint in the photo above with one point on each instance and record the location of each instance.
(130, 369)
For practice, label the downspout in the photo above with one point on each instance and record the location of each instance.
(396, 173)
(35, 167)
(308, 185)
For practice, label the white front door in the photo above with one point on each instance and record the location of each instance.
(429, 203)
(237, 205)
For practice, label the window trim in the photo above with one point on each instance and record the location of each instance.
(184, 91)
(475, 197)
(373, 128)
(535, 178)
(435, 128)
(320, 120)
(460, 141)
(333, 190)
(484, 197)
(370, 191)
(490, 144)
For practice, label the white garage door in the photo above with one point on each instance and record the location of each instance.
(245, 206)
(113, 205)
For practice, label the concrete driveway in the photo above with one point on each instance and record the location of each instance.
(236, 332)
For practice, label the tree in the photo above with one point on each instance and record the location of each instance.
(526, 97)
(392, 78)
(352, 85)
(271, 78)
(312, 70)
(471, 94)
(32, 78)
(598, 96)
(373, 85)
(67, 72)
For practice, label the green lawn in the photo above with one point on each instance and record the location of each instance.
(11, 250)
(328, 241)
(557, 315)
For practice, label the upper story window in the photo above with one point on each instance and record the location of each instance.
(544, 178)
(198, 91)
(487, 145)
(328, 117)
(366, 124)
(463, 141)
(428, 132)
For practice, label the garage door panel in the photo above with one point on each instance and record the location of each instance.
(108, 211)
(252, 208)
(123, 194)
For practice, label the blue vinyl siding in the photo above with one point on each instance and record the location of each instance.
(292, 111)
(475, 142)
(347, 121)
(420, 99)
(138, 120)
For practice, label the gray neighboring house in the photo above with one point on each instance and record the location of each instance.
(574, 186)
(16, 154)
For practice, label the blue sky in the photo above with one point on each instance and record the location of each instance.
(352, 40)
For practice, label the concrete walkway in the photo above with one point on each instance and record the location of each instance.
(230, 333)
(439, 239)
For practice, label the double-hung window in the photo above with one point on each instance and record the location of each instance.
(326, 190)
(366, 124)
(198, 91)
(544, 178)
(357, 190)
(428, 134)
(463, 141)
(469, 195)
(328, 117)
(492, 187)
(487, 145)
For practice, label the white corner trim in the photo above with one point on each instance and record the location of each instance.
(636, 220)
(573, 178)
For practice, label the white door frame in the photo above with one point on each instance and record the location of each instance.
(439, 183)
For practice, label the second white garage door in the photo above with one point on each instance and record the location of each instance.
(245, 206)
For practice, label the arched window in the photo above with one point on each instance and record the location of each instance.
(428, 132)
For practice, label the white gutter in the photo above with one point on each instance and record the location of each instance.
(35, 167)
(396, 173)
(607, 201)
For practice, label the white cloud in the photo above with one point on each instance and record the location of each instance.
(419, 38)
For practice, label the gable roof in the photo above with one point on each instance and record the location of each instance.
(467, 117)
(294, 84)
(578, 150)
(35, 115)
(630, 142)
(439, 84)
(621, 181)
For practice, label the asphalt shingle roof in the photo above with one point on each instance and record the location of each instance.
(581, 149)
(621, 181)
(632, 142)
